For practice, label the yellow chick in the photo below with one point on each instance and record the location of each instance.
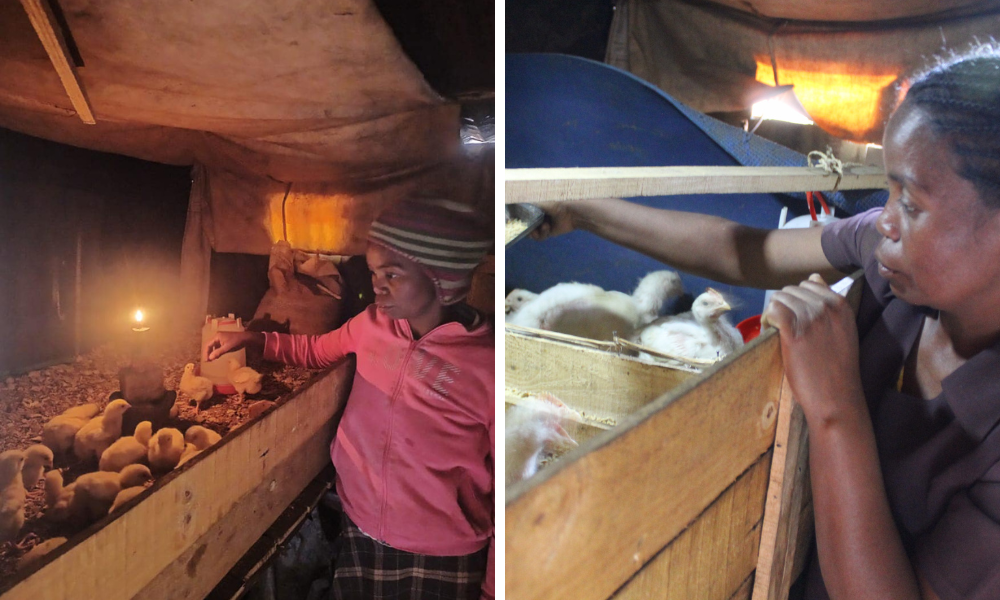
(37, 458)
(244, 379)
(39, 551)
(84, 411)
(58, 433)
(201, 437)
(97, 491)
(190, 451)
(199, 388)
(165, 449)
(133, 480)
(135, 475)
(128, 450)
(11, 494)
(61, 502)
(125, 495)
(100, 432)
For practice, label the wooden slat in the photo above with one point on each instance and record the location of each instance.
(713, 558)
(183, 535)
(533, 185)
(42, 19)
(599, 384)
(586, 525)
(788, 518)
(786, 495)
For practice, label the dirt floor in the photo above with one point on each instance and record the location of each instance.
(28, 401)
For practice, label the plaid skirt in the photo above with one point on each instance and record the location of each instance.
(364, 569)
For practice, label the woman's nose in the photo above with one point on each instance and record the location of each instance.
(886, 221)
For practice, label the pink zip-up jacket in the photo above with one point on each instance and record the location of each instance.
(414, 449)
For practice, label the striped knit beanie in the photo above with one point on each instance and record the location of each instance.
(446, 238)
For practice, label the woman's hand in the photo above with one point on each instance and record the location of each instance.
(819, 346)
(228, 341)
(559, 218)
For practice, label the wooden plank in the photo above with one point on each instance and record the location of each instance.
(42, 19)
(180, 537)
(533, 185)
(599, 384)
(788, 490)
(587, 524)
(713, 558)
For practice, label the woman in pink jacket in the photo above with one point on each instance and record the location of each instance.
(414, 448)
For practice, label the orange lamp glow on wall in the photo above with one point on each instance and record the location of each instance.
(848, 105)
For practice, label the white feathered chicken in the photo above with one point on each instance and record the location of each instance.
(532, 428)
(586, 310)
(516, 299)
(703, 333)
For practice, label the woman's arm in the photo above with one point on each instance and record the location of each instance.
(860, 551)
(703, 245)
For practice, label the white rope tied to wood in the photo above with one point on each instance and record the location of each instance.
(828, 162)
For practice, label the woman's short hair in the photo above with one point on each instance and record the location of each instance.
(961, 96)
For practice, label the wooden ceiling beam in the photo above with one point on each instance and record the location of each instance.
(533, 185)
(43, 20)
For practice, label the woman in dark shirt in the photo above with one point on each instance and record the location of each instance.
(902, 401)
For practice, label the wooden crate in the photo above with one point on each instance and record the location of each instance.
(180, 537)
(671, 502)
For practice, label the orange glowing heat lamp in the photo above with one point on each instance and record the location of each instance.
(848, 105)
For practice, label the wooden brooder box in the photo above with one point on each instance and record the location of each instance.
(181, 536)
(689, 496)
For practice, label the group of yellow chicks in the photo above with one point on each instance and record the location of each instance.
(126, 465)
(244, 379)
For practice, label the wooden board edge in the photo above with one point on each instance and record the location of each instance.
(565, 509)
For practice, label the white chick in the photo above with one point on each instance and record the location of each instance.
(190, 451)
(100, 432)
(539, 311)
(585, 310)
(201, 437)
(128, 450)
(36, 553)
(96, 492)
(199, 388)
(244, 379)
(37, 458)
(703, 333)
(165, 449)
(653, 291)
(516, 299)
(531, 428)
(12, 494)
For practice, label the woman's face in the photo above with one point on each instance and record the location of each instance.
(402, 289)
(941, 244)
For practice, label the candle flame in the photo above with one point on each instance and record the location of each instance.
(138, 316)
